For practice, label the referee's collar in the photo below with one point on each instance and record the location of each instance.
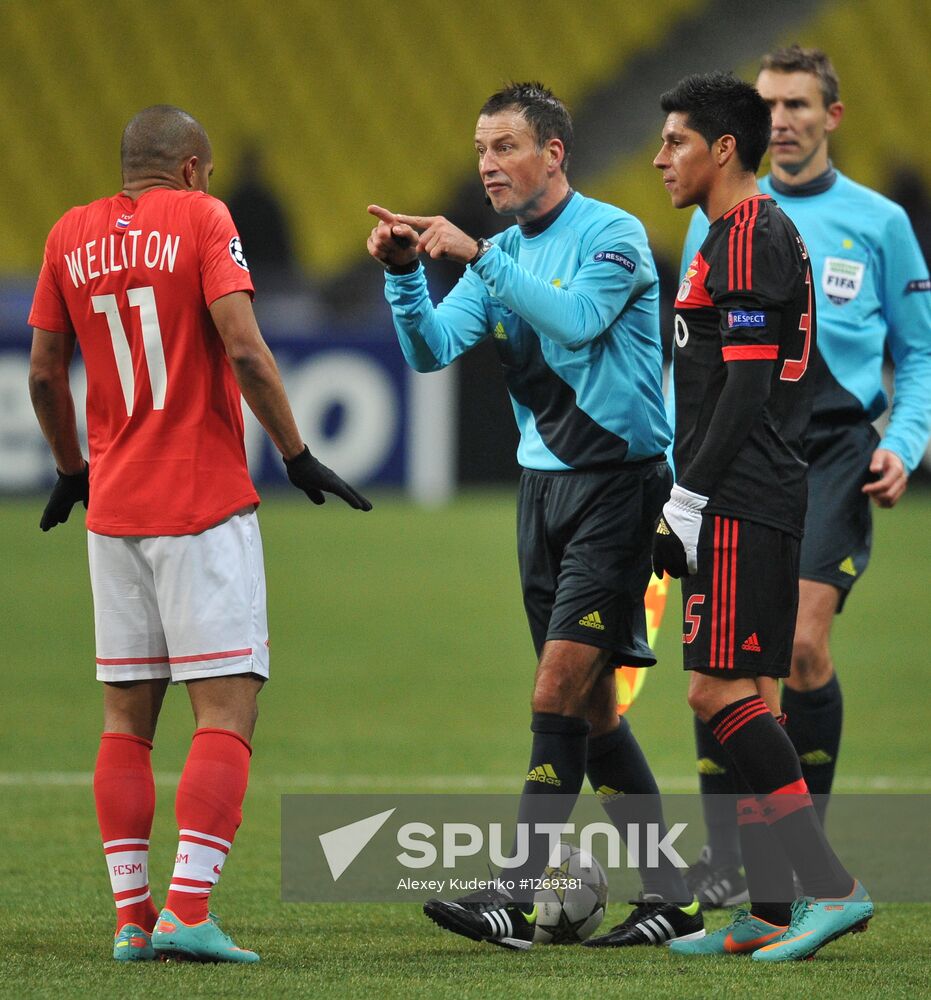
(817, 185)
(537, 226)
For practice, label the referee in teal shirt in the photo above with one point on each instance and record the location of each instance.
(569, 298)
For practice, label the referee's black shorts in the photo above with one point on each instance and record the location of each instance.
(839, 524)
(739, 609)
(583, 545)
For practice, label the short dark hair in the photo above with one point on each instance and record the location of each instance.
(159, 138)
(796, 59)
(545, 113)
(719, 104)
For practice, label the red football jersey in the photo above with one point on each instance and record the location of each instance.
(134, 280)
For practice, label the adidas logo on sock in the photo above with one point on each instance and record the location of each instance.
(707, 766)
(662, 528)
(751, 644)
(545, 774)
(592, 620)
(815, 757)
(607, 794)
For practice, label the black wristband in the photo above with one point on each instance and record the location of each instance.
(403, 268)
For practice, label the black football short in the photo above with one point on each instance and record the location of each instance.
(583, 546)
(739, 608)
(839, 524)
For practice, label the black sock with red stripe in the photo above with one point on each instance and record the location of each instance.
(769, 874)
(764, 754)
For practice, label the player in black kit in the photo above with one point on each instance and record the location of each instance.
(744, 349)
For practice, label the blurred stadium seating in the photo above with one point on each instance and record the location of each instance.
(354, 101)
(357, 101)
(880, 49)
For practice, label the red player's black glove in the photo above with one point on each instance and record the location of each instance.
(66, 492)
(314, 478)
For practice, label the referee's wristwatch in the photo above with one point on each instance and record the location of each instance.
(483, 247)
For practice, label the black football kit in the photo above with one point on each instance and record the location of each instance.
(743, 354)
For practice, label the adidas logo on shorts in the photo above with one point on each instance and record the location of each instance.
(592, 620)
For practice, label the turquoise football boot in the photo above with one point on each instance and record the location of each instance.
(743, 935)
(201, 942)
(817, 922)
(132, 944)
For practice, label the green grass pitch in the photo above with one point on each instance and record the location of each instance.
(400, 662)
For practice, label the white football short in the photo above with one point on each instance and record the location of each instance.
(180, 606)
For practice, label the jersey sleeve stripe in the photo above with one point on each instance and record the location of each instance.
(736, 248)
(750, 352)
(750, 225)
(731, 255)
(740, 245)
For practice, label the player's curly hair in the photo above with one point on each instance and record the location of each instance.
(795, 59)
(719, 104)
(545, 113)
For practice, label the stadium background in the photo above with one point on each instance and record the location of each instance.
(400, 655)
(349, 104)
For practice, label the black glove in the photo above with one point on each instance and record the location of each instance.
(675, 541)
(313, 478)
(68, 491)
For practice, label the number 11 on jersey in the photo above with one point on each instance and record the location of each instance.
(142, 299)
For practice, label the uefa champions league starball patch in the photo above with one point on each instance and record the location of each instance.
(239, 258)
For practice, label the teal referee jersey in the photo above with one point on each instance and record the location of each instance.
(574, 315)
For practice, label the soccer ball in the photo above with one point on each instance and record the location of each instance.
(572, 908)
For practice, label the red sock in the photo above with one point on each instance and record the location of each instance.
(209, 810)
(124, 792)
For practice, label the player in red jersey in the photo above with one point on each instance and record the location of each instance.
(744, 348)
(154, 286)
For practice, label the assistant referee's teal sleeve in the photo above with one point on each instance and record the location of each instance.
(907, 301)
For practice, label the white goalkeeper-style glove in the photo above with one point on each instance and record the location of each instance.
(675, 541)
